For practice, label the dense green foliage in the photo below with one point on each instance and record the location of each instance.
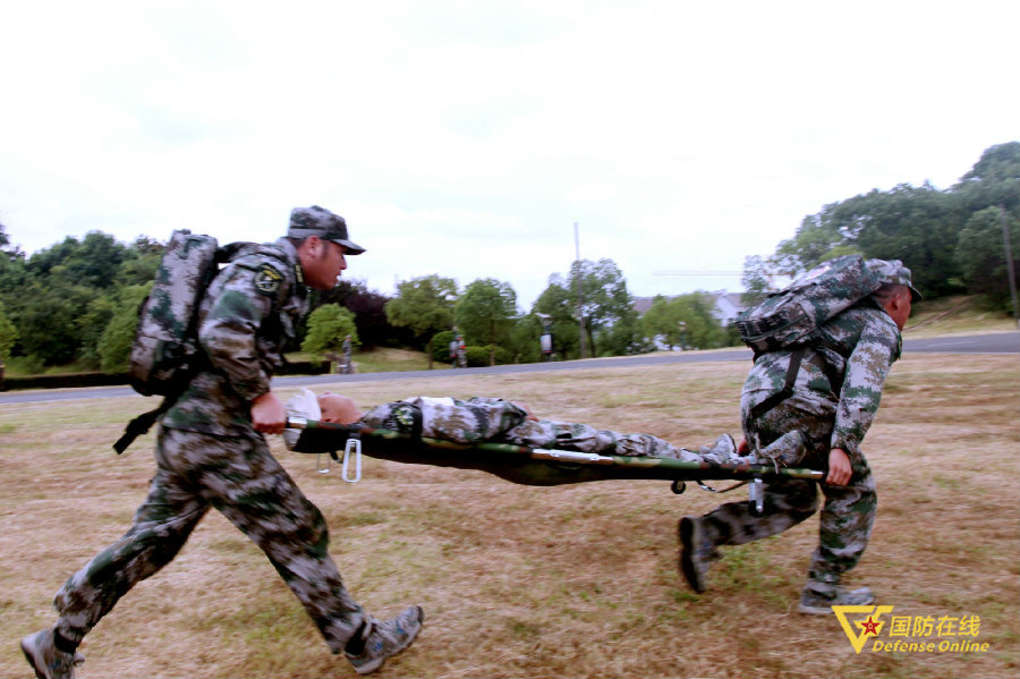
(607, 307)
(327, 327)
(8, 335)
(486, 312)
(114, 346)
(952, 239)
(685, 321)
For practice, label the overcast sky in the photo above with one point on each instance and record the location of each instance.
(466, 138)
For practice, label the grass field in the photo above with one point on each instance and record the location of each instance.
(516, 581)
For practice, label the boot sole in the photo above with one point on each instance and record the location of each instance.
(690, 573)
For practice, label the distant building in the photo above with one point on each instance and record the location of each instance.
(727, 306)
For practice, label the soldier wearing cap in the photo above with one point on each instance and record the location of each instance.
(211, 452)
(821, 425)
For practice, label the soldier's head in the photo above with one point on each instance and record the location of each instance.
(322, 242)
(896, 300)
(897, 294)
(338, 409)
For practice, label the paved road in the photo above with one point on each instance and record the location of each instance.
(993, 343)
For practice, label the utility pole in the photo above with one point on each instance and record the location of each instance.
(1009, 265)
(583, 347)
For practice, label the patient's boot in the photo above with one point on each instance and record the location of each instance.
(696, 552)
(722, 451)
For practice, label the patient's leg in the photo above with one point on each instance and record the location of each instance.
(588, 439)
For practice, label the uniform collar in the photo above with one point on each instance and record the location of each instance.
(292, 253)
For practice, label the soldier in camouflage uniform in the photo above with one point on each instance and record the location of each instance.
(211, 453)
(479, 419)
(820, 425)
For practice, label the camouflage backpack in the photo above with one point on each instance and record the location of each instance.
(790, 317)
(165, 353)
(166, 343)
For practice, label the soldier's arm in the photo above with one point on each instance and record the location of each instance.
(866, 370)
(228, 333)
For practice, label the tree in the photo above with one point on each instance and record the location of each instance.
(47, 320)
(8, 335)
(981, 255)
(486, 312)
(440, 346)
(425, 305)
(369, 309)
(140, 261)
(114, 347)
(685, 320)
(664, 322)
(555, 302)
(606, 304)
(327, 327)
(93, 262)
(91, 326)
(525, 344)
(757, 280)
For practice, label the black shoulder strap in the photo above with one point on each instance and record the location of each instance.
(142, 424)
(791, 378)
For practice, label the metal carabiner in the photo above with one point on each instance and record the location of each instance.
(353, 447)
(756, 496)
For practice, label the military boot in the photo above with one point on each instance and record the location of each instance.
(696, 552)
(821, 603)
(722, 451)
(379, 640)
(46, 659)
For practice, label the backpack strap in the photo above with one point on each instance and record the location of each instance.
(791, 378)
(142, 424)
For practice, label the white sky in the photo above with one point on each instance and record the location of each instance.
(466, 138)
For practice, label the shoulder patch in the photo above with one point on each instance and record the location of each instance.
(268, 280)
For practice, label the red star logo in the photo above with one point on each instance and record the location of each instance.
(870, 627)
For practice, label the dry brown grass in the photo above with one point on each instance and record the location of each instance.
(571, 581)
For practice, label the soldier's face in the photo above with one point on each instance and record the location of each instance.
(323, 269)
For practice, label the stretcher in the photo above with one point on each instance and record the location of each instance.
(346, 443)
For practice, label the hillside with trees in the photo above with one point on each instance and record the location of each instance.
(74, 304)
(952, 240)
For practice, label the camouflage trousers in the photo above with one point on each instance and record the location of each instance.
(240, 478)
(847, 514)
(587, 439)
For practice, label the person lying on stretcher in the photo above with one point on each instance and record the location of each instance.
(480, 419)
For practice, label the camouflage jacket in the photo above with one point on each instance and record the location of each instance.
(859, 347)
(451, 419)
(494, 419)
(248, 312)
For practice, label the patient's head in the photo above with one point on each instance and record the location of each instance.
(338, 409)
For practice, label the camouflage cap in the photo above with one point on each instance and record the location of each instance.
(892, 272)
(318, 221)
